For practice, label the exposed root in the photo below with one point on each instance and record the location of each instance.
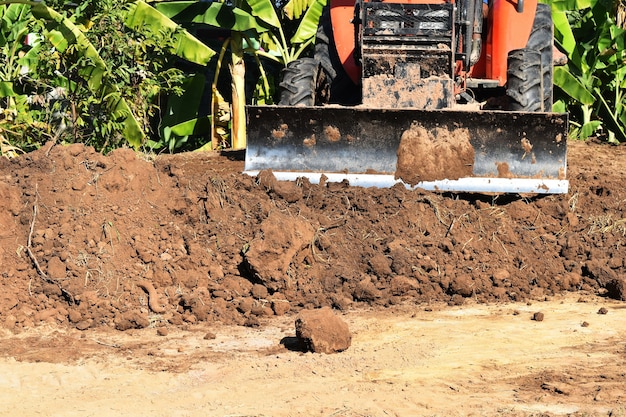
(153, 298)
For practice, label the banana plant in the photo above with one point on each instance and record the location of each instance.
(594, 80)
(15, 21)
(255, 28)
(236, 20)
(257, 20)
(274, 41)
(182, 117)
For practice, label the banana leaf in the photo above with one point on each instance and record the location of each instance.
(308, 26)
(14, 26)
(182, 112)
(214, 14)
(188, 46)
(6, 89)
(572, 86)
(294, 9)
(197, 126)
(264, 10)
(563, 31)
(565, 5)
(614, 119)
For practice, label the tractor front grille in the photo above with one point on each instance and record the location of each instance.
(407, 54)
(427, 23)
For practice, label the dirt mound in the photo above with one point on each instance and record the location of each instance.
(121, 241)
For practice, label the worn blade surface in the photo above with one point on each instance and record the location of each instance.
(359, 140)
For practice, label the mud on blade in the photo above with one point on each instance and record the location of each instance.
(447, 150)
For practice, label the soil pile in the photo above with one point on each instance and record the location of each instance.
(121, 241)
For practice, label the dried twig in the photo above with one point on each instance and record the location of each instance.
(113, 345)
(33, 258)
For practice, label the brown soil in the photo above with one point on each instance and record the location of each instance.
(439, 154)
(189, 246)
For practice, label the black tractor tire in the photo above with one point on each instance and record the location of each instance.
(530, 70)
(342, 88)
(303, 83)
(524, 82)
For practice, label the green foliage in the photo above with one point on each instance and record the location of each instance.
(593, 83)
(108, 72)
(257, 28)
(145, 19)
(274, 44)
(98, 104)
(14, 21)
(186, 123)
(86, 78)
(113, 78)
(17, 122)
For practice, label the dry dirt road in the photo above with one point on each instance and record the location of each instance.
(437, 360)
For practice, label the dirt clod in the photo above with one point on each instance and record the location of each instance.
(616, 289)
(322, 331)
(538, 316)
(434, 155)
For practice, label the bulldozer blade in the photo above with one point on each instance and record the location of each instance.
(438, 150)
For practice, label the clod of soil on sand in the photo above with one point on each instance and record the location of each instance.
(538, 316)
(131, 320)
(434, 155)
(323, 331)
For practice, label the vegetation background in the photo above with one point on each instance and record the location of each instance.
(176, 75)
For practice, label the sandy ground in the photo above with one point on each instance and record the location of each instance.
(479, 359)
